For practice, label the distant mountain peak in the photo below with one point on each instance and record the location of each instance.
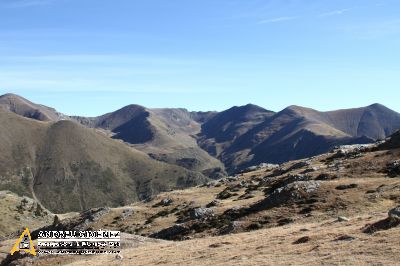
(21, 106)
(14, 97)
(378, 106)
(9, 95)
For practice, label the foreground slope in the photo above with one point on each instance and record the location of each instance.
(330, 243)
(331, 209)
(69, 167)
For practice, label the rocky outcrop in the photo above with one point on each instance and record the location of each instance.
(394, 214)
(393, 169)
(297, 191)
(172, 233)
(393, 142)
(393, 220)
(201, 213)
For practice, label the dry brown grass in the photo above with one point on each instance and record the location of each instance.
(12, 220)
(330, 242)
(272, 246)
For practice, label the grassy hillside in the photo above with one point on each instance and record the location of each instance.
(69, 167)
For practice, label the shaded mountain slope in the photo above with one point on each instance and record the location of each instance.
(297, 132)
(375, 121)
(68, 167)
(225, 127)
(165, 134)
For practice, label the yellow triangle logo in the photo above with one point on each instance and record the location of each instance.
(24, 243)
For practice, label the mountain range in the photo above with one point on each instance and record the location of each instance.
(72, 162)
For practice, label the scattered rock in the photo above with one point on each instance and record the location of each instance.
(266, 166)
(236, 212)
(225, 194)
(350, 151)
(306, 210)
(326, 176)
(166, 202)
(296, 189)
(211, 184)
(302, 240)
(285, 221)
(394, 214)
(344, 187)
(247, 195)
(277, 172)
(174, 232)
(310, 170)
(217, 245)
(293, 178)
(119, 256)
(254, 226)
(201, 213)
(288, 180)
(293, 192)
(298, 166)
(232, 227)
(213, 203)
(393, 169)
(345, 238)
(126, 213)
(343, 219)
(393, 220)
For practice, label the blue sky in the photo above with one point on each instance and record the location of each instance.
(89, 57)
